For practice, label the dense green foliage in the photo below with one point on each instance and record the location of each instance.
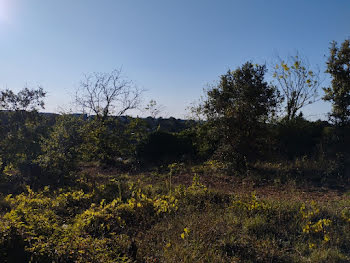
(162, 147)
(61, 149)
(338, 66)
(239, 106)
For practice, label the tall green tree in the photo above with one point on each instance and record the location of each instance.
(24, 100)
(239, 106)
(21, 127)
(338, 66)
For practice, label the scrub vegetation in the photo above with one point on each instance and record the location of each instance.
(248, 180)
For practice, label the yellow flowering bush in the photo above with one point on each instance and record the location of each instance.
(66, 225)
(345, 214)
(250, 205)
(314, 227)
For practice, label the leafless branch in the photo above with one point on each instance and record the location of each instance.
(107, 94)
(298, 82)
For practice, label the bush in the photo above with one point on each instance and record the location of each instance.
(162, 147)
(61, 150)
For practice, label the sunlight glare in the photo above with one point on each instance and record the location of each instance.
(5, 11)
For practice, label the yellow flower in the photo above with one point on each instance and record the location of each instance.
(182, 235)
(326, 238)
(285, 67)
(296, 64)
(186, 230)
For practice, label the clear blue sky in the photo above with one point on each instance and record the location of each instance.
(170, 48)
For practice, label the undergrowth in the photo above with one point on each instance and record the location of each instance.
(122, 219)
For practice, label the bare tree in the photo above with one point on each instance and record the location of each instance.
(297, 82)
(107, 94)
(195, 110)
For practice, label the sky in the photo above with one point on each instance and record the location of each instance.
(171, 49)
